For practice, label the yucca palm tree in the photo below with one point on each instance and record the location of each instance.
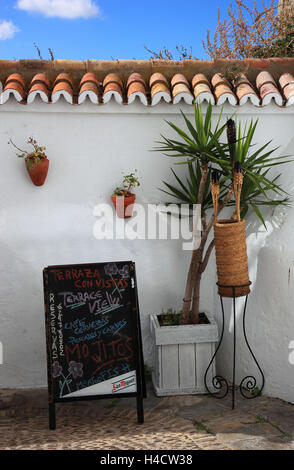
(204, 152)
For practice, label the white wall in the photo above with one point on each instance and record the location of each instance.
(89, 147)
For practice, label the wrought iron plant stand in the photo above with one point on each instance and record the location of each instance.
(233, 282)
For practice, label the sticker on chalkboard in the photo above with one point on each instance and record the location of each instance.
(121, 384)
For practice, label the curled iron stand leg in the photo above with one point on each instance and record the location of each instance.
(248, 385)
(219, 384)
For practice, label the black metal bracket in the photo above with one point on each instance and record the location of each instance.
(248, 385)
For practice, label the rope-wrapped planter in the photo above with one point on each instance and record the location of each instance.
(231, 257)
(230, 243)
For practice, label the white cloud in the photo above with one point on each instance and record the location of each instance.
(69, 9)
(7, 30)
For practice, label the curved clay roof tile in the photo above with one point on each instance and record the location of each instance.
(219, 79)
(38, 89)
(198, 79)
(112, 78)
(15, 77)
(223, 90)
(286, 79)
(14, 86)
(202, 89)
(63, 77)
(112, 89)
(39, 86)
(179, 78)
(62, 88)
(181, 89)
(245, 90)
(287, 84)
(268, 89)
(263, 78)
(160, 91)
(136, 78)
(89, 77)
(88, 89)
(40, 78)
(137, 89)
(157, 78)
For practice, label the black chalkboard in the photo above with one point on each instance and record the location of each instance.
(94, 345)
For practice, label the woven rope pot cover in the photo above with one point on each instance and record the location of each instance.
(230, 243)
(231, 257)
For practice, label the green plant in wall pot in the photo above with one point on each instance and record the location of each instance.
(123, 197)
(37, 163)
(205, 149)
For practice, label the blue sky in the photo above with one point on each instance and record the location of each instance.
(104, 29)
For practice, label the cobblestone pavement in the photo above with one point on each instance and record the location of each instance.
(181, 422)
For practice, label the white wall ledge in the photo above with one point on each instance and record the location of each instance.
(137, 108)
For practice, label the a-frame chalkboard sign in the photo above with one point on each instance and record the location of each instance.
(93, 334)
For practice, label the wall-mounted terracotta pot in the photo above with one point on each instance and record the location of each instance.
(124, 205)
(37, 170)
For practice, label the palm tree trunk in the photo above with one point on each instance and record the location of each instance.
(196, 259)
(196, 300)
(197, 267)
(186, 309)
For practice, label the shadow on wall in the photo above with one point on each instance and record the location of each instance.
(259, 237)
(269, 319)
(22, 319)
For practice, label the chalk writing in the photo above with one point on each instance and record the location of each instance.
(96, 301)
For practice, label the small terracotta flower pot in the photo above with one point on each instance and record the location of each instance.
(124, 205)
(37, 171)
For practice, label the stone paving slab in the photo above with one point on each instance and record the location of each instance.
(194, 422)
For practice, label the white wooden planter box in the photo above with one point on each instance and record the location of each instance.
(182, 355)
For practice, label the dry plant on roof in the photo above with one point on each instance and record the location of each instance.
(181, 53)
(208, 157)
(252, 32)
(244, 32)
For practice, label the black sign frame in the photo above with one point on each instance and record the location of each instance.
(137, 339)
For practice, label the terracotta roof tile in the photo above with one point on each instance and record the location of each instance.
(41, 77)
(89, 88)
(157, 78)
(136, 87)
(136, 78)
(153, 81)
(39, 86)
(268, 89)
(14, 86)
(245, 91)
(264, 77)
(181, 89)
(159, 89)
(90, 77)
(287, 84)
(201, 89)
(39, 89)
(113, 87)
(179, 78)
(63, 78)
(16, 77)
(63, 87)
(223, 90)
(112, 78)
